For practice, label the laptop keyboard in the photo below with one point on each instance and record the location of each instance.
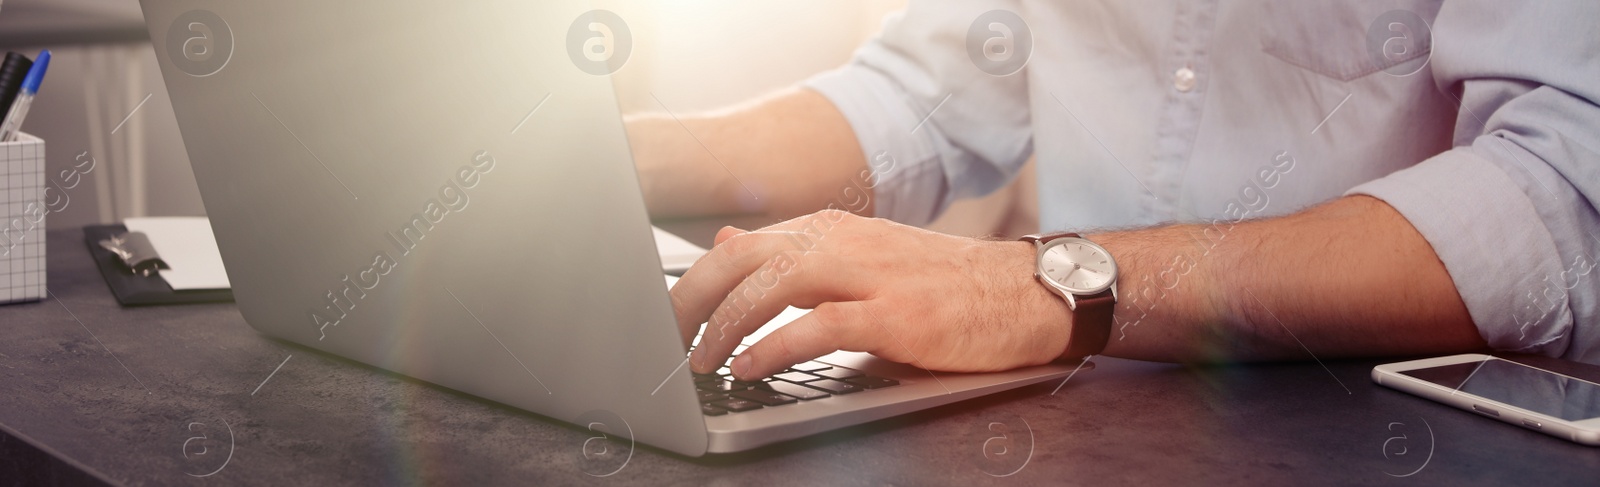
(721, 394)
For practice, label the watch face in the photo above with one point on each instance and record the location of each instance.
(1077, 265)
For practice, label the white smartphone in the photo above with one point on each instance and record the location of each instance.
(1554, 404)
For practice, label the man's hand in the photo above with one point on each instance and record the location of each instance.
(1276, 289)
(935, 301)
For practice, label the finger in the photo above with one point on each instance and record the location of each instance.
(704, 286)
(801, 279)
(727, 233)
(688, 330)
(824, 330)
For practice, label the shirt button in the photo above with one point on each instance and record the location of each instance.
(1183, 80)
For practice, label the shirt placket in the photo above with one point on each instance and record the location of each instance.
(1186, 64)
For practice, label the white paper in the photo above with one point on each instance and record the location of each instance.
(188, 247)
(677, 254)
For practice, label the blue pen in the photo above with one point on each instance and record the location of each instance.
(19, 109)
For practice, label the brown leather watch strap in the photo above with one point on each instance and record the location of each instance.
(1091, 326)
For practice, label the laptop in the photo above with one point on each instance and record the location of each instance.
(438, 189)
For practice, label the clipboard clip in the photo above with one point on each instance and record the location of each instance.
(136, 252)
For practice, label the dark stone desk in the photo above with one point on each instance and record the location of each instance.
(93, 392)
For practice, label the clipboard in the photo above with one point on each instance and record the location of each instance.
(133, 289)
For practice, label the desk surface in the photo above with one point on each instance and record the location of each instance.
(93, 390)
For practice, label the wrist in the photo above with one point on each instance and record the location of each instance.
(1168, 277)
(1140, 297)
(1047, 312)
(671, 162)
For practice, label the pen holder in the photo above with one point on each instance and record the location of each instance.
(22, 199)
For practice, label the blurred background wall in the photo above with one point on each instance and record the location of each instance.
(102, 67)
(105, 99)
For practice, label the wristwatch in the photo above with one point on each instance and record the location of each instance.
(1084, 274)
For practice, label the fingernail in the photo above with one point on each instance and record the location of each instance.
(741, 366)
(698, 358)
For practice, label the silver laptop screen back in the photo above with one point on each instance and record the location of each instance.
(435, 188)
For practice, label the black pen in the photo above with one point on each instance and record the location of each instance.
(12, 71)
(19, 109)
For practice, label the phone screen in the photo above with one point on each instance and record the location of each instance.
(1518, 385)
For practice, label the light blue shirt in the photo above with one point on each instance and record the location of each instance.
(1487, 138)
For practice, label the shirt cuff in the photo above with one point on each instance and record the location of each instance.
(1493, 243)
(908, 183)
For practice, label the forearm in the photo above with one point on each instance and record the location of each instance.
(785, 155)
(1348, 278)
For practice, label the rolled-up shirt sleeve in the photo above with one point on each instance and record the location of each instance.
(1511, 209)
(933, 127)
